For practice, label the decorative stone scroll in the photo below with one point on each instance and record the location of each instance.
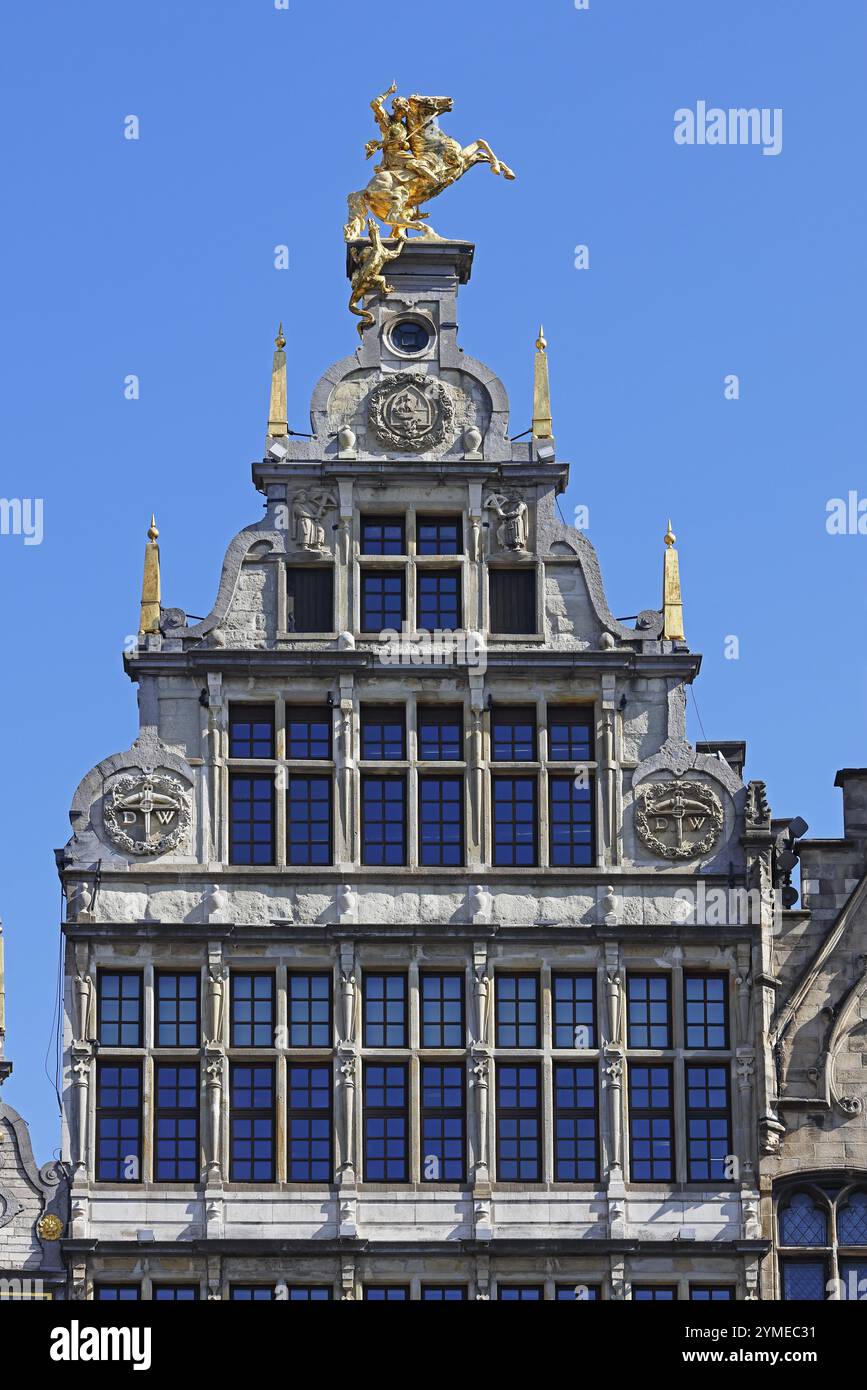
(677, 819)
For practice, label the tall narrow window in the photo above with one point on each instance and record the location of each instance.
(443, 1141)
(253, 1018)
(251, 819)
(383, 600)
(176, 1136)
(439, 600)
(310, 599)
(576, 1143)
(515, 821)
(574, 1010)
(517, 1014)
(440, 733)
(571, 822)
(177, 1009)
(442, 1010)
(512, 601)
(651, 1124)
(705, 1010)
(441, 821)
(708, 1126)
(386, 1122)
(519, 1123)
(120, 1012)
(648, 1013)
(309, 1010)
(118, 1122)
(385, 1010)
(251, 731)
(383, 820)
(309, 1122)
(308, 820)
(251, 1122)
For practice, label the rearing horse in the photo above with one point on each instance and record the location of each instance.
(416, 166)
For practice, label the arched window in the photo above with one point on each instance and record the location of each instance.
(823, 1242)
(803, 1221)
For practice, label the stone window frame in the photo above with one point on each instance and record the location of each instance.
(408, 565)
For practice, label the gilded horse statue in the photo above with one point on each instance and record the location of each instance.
(418, 162)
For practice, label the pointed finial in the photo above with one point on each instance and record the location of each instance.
(150, 589)
(278, 424)
(543, 425)
(672, 599)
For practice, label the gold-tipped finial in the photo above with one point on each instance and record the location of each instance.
(543, 425)
(150, 588)
(278, 423)
(672, 599)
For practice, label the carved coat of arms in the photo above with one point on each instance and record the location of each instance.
(677, 819)
(147, 813)
(408, 411)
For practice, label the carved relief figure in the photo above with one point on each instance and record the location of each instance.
(512, 510)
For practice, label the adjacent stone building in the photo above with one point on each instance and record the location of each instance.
(32, 1200)
(412, 951)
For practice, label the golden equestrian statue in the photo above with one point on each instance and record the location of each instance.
(418, 162)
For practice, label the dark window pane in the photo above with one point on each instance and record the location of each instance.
(705, 1010)
(309, 1010)
(852, 1220)
(513, 733)
(386, 1122)
(382, 535)
(253, 1019)
(176, 1293)
(251, 820)
(308, 820)
(440, 733)
(386, 1293)
(309, 1123)
(385, 1010)
(117, 1293)
(443, 1293)
(251, 1123)
(575, 1124)
(120, 1009)
(441, 820)
(383, 820)
(520, 1293)
(571, 821)
(651, 1124)
(805, 1280)
(310, 600)
(711, 1293)
(383, 732)
(577, 1293)
(853, 1280)
(251, 731)
(439, 600)
(512, 600)
(442, 1010)
(437, 535)
(653, 1293)
(442, 1123)
(517, 1012)
(309, 1293)
(570, 733)
(708, 1129)
(176, 1124)
(519, 1123)
(251, 1293)
(648, 1010)
(574, 1001)
(118, 1122)
(177, 1010)
(515, 821)
(308, 731)
(803, 1221)
(382, 600)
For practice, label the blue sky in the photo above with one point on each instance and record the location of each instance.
(155, 257)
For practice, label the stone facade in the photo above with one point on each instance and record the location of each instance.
(33, 1209)
(713, 1042)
